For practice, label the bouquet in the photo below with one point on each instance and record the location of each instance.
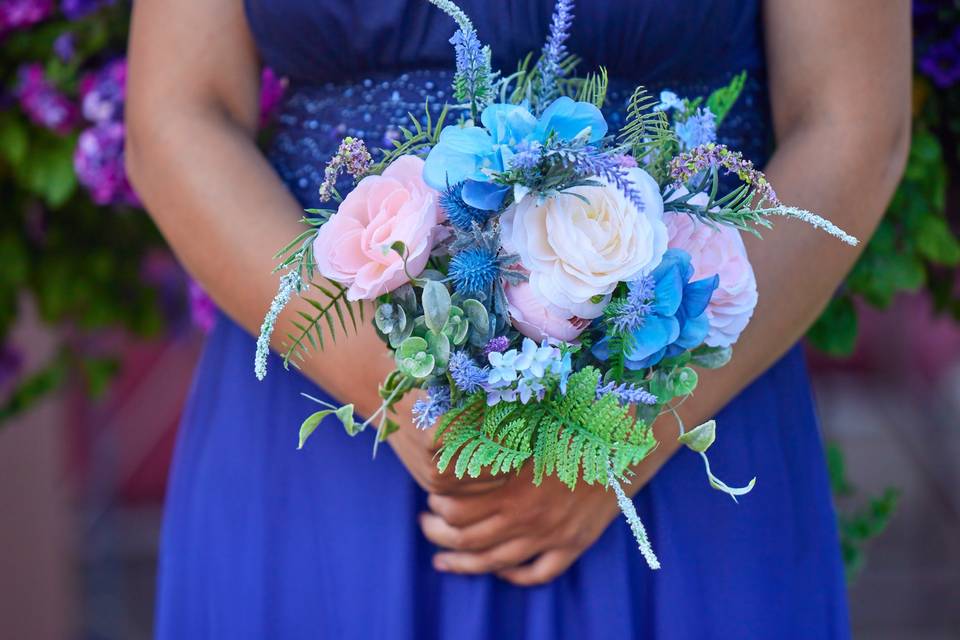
(551, 285)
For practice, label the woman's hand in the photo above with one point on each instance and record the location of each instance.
(417, 452)
(499, 531)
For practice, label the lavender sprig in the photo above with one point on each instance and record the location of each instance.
(687, 165)
(627, 314)
(553, 51)
(351, 156)
(627, 393)
(588, 161)
(473, 80)
(427, 411)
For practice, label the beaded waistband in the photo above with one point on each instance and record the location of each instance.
(314, 118)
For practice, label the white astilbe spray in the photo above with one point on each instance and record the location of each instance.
(288, 284)
(633, 519)
(813, 220)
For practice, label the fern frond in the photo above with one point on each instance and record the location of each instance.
(483, 439)
(593, 88)
(645, 129)
(330, 307)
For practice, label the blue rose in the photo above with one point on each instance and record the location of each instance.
(470, 154)
(675, 320)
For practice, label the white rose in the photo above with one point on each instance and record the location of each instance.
(577, 251)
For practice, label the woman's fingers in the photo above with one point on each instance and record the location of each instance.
(545, 568)
(461, 511)
(503, 556)
(485, 534)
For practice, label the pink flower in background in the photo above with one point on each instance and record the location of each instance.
(718, 251)
(98, 161)
(18, 14)
(537, 319)
(103, 92)
(43, 104)
(203, 310)
(353, 247)
(272, 88)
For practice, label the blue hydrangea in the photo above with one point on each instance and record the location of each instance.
(677, 320)
(471, 154)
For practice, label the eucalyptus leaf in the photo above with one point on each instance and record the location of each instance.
(439, 347)
(436, 305)
(411, 347)
(479, 321)
(683, 382)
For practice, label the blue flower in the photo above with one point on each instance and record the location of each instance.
(677, 318)
(697, 130)
(471, 154)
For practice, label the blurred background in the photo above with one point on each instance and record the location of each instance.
(100, 330)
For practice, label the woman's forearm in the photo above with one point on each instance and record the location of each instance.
(225, 213)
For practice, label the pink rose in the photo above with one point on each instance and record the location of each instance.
(718, 251)
(539, 320)
(353, 247)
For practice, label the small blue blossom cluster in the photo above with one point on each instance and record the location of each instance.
(522, 374)
(627, 314)
(627, 393)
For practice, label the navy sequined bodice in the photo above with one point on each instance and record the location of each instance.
(358, 68)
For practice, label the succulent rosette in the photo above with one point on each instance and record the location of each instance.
(548, 286)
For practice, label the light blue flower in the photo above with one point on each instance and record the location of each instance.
(471, 154)
(699, 129)
(668, 100)
(501, 394)
(529, 388)
(569, 119)
(535, 360)
(677, 319)
(503, 367)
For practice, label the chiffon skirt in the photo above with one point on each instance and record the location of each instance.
(261, 540)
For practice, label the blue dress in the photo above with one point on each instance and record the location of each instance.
(263, 541)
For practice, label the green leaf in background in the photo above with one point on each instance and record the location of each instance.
(835, 332)
(13, 138)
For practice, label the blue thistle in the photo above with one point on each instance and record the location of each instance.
(466, 373)
(627, 314)
(474, 270)
(460, 214)
(427, 411)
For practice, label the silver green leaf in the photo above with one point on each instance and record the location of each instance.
(711, 357)
(345, 415)
(436, 305)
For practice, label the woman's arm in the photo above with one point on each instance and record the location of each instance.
(840, 92)
(192, 116)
